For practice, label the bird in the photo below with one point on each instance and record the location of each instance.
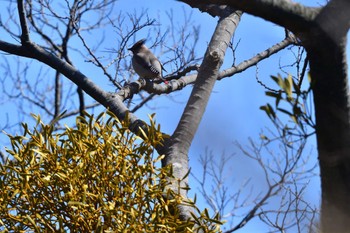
(145, 63)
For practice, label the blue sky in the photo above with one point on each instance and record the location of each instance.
(233, 111)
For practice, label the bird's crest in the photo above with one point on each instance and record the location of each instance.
(138, 44)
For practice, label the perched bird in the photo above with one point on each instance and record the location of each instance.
(145, 64)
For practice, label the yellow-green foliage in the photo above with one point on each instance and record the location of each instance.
(97, 177)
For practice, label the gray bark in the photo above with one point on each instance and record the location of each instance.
(180, 141)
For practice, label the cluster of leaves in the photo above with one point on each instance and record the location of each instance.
(292, 101)
(97, 177)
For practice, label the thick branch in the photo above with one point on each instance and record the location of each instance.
(286, 13)
(334, 20)
(212, 9)
(177, 149)
(207, 76)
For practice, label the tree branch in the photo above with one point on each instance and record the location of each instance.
(177, 83)
(211, 9)
(207, 76)
(177, 151)
(286, 13)
(257, 58)
(25, 32)
(110, 101)
(58, 94)
(334, 19)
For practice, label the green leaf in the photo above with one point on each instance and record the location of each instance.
(296, 88)
(288, 83)
(186, 175)
(275, 78)
(264, 137)
(285, 111)
(273, 94)
(269, 111)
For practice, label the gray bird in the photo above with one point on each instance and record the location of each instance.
(145, 64)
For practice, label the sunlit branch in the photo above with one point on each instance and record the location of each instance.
(179, 83)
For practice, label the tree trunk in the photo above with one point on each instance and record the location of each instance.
(326, 46)
(331, 99)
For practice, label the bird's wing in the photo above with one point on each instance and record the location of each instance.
(145, 63)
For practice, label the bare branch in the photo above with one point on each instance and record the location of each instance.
(259, 57)
(22, 17)
(177, 83)
(58, 94)
(96, 60)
